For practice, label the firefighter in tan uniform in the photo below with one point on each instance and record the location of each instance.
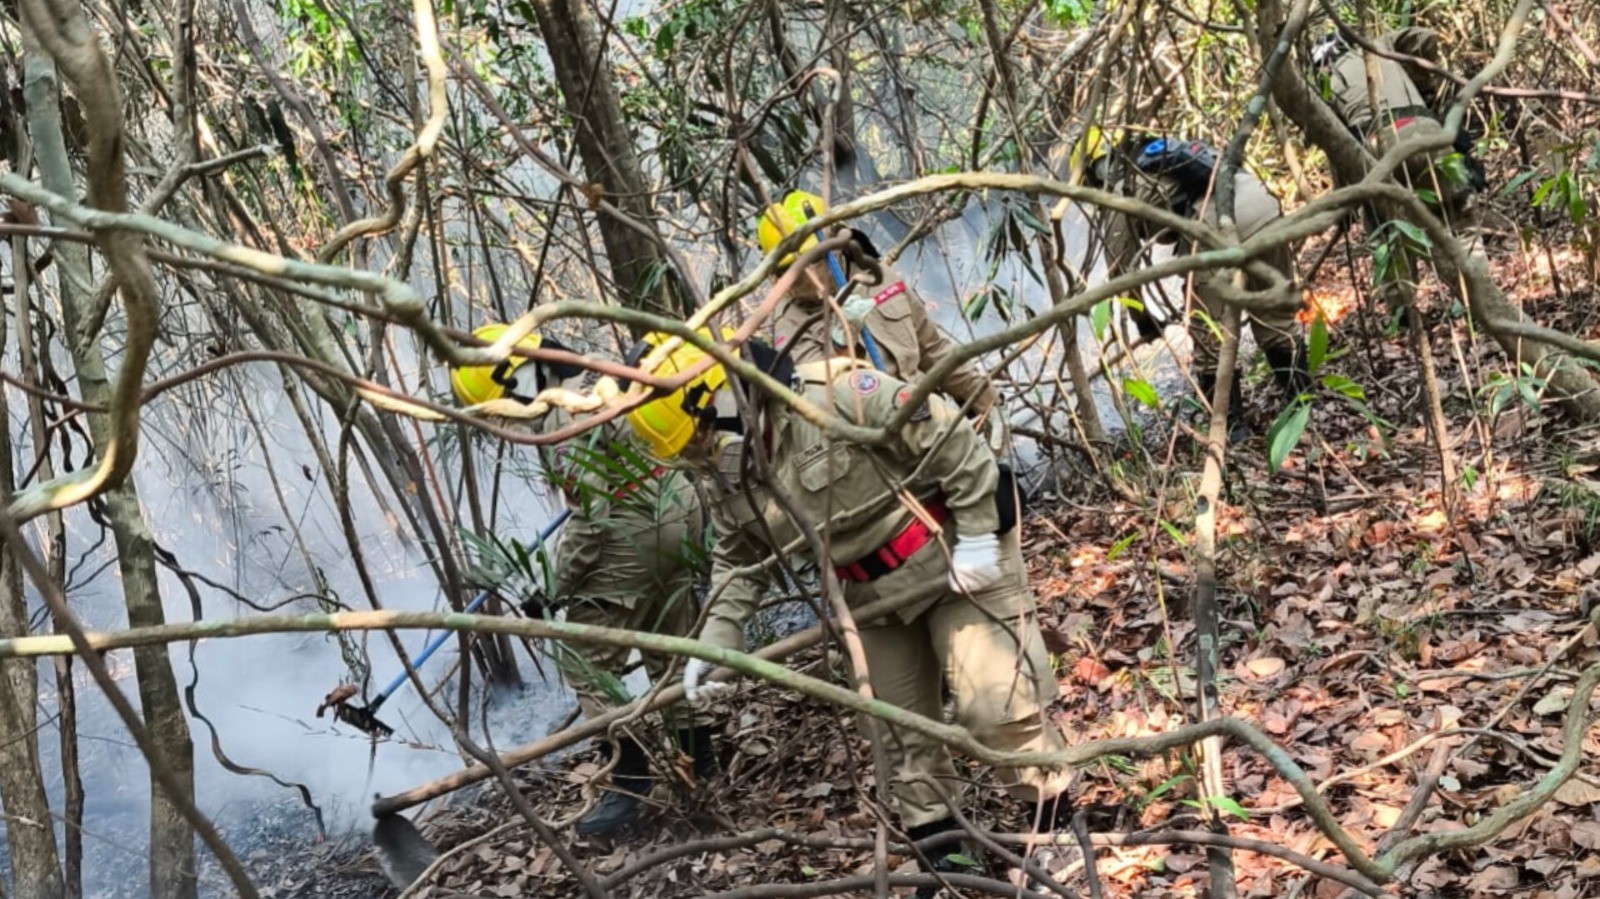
(889, 318)
(1406, 94)
(967, 617)
(1177, 176)
(625, 559)
(886, 325)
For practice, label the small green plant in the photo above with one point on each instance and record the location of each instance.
(1528, 386)
(1290, 424)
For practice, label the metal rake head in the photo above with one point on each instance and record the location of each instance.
(362, 718)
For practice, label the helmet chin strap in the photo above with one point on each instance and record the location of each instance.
(520, 383)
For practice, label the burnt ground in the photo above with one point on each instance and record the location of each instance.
(1365, 626)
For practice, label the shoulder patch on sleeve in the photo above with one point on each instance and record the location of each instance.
(889, 293)
(865, 383)
(903, 396)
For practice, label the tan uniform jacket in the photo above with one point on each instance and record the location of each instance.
(845, 490)
(629, 516)
(1127, 238)
(1126, 235)
(910, 343)
(1397, 89)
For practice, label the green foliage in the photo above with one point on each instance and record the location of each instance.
(318, 43)
(1528, 386)
(1121, 546)
(1563, 191)
(507, 566)
(1069, 12)
(1285, 432)
(1142, 391)
(1287, 429)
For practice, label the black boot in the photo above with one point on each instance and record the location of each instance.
(698, 744)
(1238, 431)
(1288, 366)
(620, 806)
(943, 859)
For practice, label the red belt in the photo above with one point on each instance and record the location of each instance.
(631, 486)
(625, 489)
(899, 550)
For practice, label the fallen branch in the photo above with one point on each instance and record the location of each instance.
(951, 735)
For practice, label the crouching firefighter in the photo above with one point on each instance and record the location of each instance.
(1178, 175)
(913, 522)
(1406, 94)
(626, 558)
(884, 322)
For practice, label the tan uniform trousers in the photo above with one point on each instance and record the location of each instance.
(639, 580)
(989, 651)
(1254, 208)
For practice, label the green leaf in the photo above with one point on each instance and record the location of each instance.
(1028, 219)
(1285, 433)
(1514, 183)
(1227, 804)
(1501, 397)
(1527, 387)
(1317, 344)
(1142, 392)
(1173, 532)
(808, 871)
(975, 306)
(1544, 190)
(1167, 786)
(964, 861)
(1100, 318)
(1344, 387)
(1121, 546)
(1413, 233)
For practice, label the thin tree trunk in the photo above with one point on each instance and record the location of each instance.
(589, 92)
(172, 856)
(30, 831)
(843, 151)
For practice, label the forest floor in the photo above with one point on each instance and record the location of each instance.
(1368, 629)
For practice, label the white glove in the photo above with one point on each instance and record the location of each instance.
(696, 688)
(975, 564)
(997, 432)
(855, 309)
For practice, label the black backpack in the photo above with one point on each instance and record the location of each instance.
(1189, 163)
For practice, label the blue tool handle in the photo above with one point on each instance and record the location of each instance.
(837, 269)
(436, 642)
(872, 348)
(867, 340)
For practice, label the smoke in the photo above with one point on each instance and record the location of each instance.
(211, 499)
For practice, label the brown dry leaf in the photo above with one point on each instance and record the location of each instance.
(1586, 834)
(1494, 879)
(337, 695)
(1089, 671)
(1271, 666)
(1370, 743)
(1577, 793)
(1555, 702)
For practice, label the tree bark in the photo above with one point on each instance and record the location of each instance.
(589, 92)
(1471, 283)
(30, 831)
(172, 856)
